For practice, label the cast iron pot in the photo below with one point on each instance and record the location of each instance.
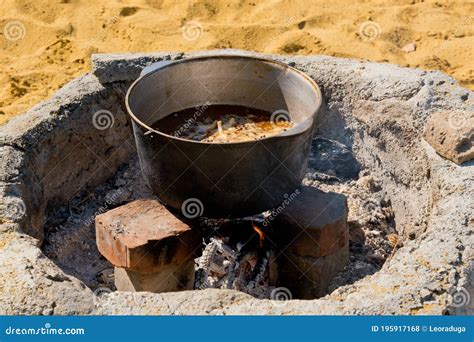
(223, 180)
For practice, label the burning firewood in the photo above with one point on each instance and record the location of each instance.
(244, 268)
(213, 263)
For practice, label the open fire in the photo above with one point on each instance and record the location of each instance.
(238, 261)
(300, 249)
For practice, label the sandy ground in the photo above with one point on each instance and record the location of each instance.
(46, 43)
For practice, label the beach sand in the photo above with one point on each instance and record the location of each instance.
(46, 43)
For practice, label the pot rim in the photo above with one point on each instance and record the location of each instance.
(291, 132)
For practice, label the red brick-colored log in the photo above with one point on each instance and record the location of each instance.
(144, 236)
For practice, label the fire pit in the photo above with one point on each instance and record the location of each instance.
(154, 250)
(410, 241)
(224, 137)
(234, 179)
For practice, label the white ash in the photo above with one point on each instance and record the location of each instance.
(372, 232)
(222, 267)
(70, 233)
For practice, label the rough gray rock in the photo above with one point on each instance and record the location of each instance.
(126, 67)
(59, 147)
(30, 284)
(451, 133)
(378, 111)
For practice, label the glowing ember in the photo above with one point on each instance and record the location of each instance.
(260, 233)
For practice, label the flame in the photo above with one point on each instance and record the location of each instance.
(260, 233)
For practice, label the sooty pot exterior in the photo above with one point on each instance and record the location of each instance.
(223, 179)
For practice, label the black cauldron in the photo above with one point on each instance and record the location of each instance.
(223, 180)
